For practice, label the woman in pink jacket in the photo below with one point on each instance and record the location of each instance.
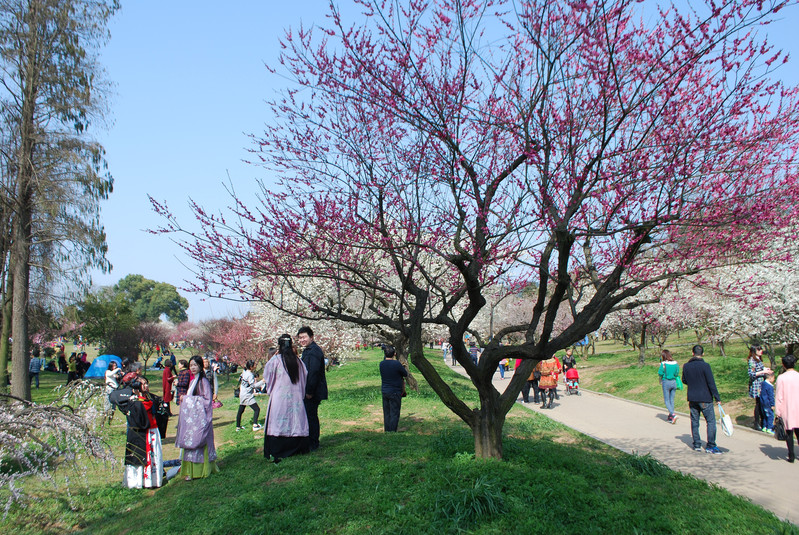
(786, 404)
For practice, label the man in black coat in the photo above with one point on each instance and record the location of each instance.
(315, 385)
(698, 377)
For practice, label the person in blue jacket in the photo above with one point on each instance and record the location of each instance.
(767, 403)
(392, 375)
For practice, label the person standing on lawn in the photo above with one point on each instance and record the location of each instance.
(286, 422)
(316, 384)
(247, 396)
(35, 366)
(392, 376)
(698, 377)
(182, 382)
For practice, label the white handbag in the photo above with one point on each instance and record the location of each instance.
(726, 422)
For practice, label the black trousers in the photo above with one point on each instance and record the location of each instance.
(526, 391)
(789, 433)
(391, 411)
(255, 409)
(759, 416)
(312, 410)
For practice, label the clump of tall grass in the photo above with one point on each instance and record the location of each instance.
(464, 502)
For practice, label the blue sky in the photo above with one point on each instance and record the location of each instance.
(189, 86)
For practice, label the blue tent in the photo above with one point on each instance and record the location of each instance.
(100, 365)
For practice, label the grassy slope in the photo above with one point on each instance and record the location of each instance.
(421, 480)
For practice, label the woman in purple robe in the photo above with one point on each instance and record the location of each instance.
(286, 421)
(195, 432)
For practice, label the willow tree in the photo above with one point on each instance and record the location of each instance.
(51, 93)
(570, 146)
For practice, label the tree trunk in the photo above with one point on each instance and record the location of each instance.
(771, 358)
(721, 348)
(487, 431)
(5, 333)
(23, 204)
(401, 348)
(20, 261)
(642, 346)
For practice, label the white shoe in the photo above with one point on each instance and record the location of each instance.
(256, 427)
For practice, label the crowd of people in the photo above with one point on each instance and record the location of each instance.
(781, 403)
(296, 385)
(295, 381)
(543, 380)
(773, 401)
(75, 367)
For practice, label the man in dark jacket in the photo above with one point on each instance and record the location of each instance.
(698, 377)
(315, 385)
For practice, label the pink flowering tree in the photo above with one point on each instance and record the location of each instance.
(187, 334)
(236, 339)
(436, 147)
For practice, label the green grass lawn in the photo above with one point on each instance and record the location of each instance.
(423, 479)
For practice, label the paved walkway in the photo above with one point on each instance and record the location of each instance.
(753, 464)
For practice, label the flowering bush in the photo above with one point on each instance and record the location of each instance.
(36, 440)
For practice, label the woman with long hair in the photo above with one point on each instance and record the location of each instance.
(144, 462)
(286, 420)
(195, 432)
(757, 373)
(668, 372)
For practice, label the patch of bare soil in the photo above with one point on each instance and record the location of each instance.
(741, 411)
(638, 389)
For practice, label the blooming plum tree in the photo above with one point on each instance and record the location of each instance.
(439, 147)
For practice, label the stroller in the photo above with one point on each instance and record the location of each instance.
(572, 381)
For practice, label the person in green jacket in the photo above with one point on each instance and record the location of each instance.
(669, 373)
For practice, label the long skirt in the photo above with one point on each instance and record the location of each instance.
(150, 475)
(282, 447)
(197, 464)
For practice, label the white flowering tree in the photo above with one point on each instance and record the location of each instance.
(38, 439)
